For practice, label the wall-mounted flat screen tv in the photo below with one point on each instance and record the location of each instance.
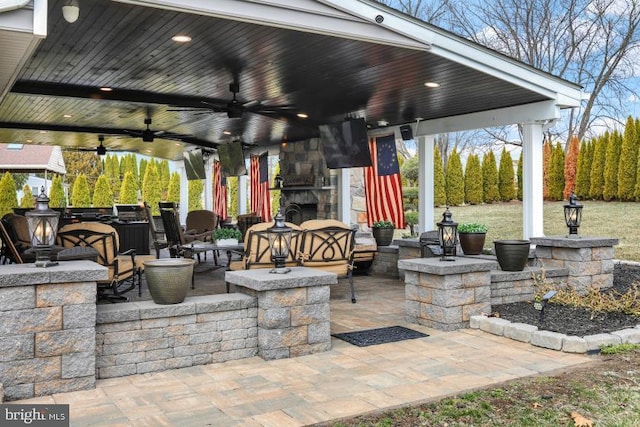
(232, 159)
(194, 164)
(345, 144)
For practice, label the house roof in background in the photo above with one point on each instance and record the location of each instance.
(27, 158)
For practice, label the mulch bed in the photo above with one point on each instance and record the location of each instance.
(573, 320)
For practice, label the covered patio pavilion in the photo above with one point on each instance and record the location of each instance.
(116, 72)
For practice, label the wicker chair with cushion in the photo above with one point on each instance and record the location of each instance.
(245, 221)
(328, 245)
(17, 228)
(9, 253)
(200, 225)
(104, 239)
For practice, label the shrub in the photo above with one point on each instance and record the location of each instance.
(472, 227)
(226, 233)
(383, 224)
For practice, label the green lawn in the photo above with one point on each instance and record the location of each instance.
(602, 219)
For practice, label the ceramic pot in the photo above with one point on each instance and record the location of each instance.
(512, 254)
(472, 243)
(383, 236)
(169, 279)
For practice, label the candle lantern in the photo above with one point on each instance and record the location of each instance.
(280, 243)
(573, 215)
(43, 227)
(448, 236)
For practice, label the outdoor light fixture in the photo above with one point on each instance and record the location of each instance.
(541, 305)
(71, 11)
(573, 215)
(43, 227)
(278, 181)
(447, 236)
(280, 243)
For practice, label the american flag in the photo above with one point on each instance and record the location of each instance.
(383, 187)
(219, 191)
(259, 177)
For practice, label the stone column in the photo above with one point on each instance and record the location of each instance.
(293, 309)
(588, 259)
(445, 294)
(47, 328)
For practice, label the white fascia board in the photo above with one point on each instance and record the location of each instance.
(302, 15)
(31, 18)
(529, 113)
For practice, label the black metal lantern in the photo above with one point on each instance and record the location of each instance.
(43, 227)
(573, 215)
(280, 243)
(278, 182)
(448, 236)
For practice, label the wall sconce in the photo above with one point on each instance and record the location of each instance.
(43, 227)
(447, 236)
(280, 243)
(573, 215)
(71, 11)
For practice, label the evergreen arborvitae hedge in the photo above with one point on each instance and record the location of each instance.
(8, 194)
(81, 196)
(490, 178)
(506, 177)
(627, 166)
(26, 201)
(143, 169)
(519, 177)
(57, 197)
(196, 187)
(232, 192)
(570, 167)
(173, 194)
(151, 190)
(455, 180)
(611, 163)
(129, 189)
(582, 174)
(439, 186)
(546, 161)
(165, 177)
(556, 173)
(596, 176)
(473, 180)
(102, 194)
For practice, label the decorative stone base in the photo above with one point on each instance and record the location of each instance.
(588, 259)
(293, 309)
(445, 294)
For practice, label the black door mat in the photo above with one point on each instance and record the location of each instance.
(379, 336)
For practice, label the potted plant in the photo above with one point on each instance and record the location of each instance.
(383, 232)
(226, 236)
(472, 236)
(411, 218)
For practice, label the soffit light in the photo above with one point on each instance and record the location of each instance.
(71, 11)
(302, 115)
(432, 84)
(181, 38)
(106, 89)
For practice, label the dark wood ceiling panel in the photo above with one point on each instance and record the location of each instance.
(129, 48)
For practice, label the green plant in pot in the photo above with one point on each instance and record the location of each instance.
(383, 232)
(226, 234)
(411, 218)
(472, 236)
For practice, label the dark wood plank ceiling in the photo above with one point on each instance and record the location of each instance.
(129, 49)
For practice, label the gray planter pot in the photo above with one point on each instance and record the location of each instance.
(472, 243)
(383, 236)
(512, 255)
(169, 279)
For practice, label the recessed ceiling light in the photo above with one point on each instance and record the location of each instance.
(383, 123)
(226, 132)
(67, 116)
(181, 38)
(28, 140)
(43, 131)
(302, 115)
(432, 84)
(106, 89)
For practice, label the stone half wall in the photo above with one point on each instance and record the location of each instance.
(141, 337)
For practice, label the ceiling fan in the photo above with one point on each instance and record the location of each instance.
(235, 108)
(100, 150)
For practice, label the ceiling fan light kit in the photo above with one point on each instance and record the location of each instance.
(71, 11)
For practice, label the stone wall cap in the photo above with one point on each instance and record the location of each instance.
(574, 242)
(412, 243)
(298, 277)
(442, 268)
(64, 272)
(528, 273)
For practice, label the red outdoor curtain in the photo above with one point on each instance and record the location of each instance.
(259, 177)
(383, 187)
(220, 192)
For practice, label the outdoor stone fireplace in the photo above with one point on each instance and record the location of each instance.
(309, 187)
